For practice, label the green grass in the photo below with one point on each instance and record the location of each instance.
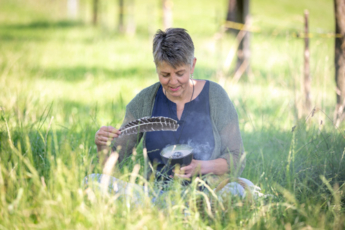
(61, 79)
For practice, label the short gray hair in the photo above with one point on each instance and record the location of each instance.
(173, 46)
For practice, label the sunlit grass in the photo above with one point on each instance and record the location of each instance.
(61, 80)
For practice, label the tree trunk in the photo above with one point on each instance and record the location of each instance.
(95, 12)
(339, 60)
(307, 80)
(72, 7)
(121, 26)
(131, 25)
(238, 12)
(167, 14)
(232, 15)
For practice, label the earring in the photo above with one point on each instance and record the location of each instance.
(191, 76)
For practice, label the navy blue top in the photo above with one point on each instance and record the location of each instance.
(195, 127)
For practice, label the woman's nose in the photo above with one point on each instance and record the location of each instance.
(173, 79)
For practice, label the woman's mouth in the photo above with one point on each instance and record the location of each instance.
(174, 89)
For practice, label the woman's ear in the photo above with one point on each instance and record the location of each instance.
(193, 65)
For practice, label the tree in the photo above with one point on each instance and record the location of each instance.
(95, 12)
(307, 79)
(126, 17)
(72, 8)
(339, 59)
(238, 12)
(167, 13)
(121, 26)
(130, 15)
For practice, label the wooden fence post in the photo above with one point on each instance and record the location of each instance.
(72, 8)
(339, 60)
(95, 12)
(167, 13)
(238, 12)
(121, 25)
(307, 80)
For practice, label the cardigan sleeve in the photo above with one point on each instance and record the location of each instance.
(127, 142)
(225, 119)
(140, 106)
(232, 147)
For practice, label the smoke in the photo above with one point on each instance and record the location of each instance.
(201, 151)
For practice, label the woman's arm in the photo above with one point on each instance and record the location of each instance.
(107, 138)
(225, 118)
(217, 166)
(140, 106)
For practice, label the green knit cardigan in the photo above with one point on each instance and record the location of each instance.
(226, 132)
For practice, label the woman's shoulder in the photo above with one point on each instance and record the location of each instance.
(217, 91)
(221, 107)
(147, 93)
(150, 90)
(140, 105)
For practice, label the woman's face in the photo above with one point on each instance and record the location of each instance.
(175, 81)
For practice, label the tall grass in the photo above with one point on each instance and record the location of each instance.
(61, 80)
(49, 193)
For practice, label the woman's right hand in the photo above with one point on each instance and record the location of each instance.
(104, 136)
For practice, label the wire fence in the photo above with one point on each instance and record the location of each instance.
(294, 34)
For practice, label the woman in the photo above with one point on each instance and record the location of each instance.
(207, 119)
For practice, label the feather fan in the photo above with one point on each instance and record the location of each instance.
(149, 124)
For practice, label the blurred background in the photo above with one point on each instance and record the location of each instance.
(79, 53)
(72, 65)
(68, 67)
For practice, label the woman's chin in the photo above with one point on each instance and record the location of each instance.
(175, 94)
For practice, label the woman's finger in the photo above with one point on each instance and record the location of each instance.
(113, 135)
(104, 139)
(184, 175)
(107, 134)
(111, 129)
(103, 133)
(187, 168)
(103, 142)
(182, 172)
(116, 131)
(108, 129)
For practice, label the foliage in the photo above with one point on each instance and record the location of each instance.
(61, 79)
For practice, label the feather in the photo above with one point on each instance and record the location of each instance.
(149, 124)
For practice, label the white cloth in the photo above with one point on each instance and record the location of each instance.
(137, 192)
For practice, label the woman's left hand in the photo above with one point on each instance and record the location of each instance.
(189, 170)
(217, 166)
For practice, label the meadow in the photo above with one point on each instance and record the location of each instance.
(61, 79)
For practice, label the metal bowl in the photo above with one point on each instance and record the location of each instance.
(177, 154)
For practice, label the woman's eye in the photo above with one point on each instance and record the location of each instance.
(180, 74)
(165, 75)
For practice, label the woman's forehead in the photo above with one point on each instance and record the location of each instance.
(166, 67)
